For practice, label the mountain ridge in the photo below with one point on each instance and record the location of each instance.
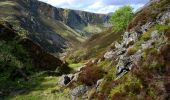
(55, 29)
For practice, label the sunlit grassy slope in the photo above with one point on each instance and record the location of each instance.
(43, 88)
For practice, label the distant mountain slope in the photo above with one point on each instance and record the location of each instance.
(94, 46)
(52, 28)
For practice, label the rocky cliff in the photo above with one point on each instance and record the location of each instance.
(52, 28)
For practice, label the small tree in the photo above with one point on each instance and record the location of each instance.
(121, 17)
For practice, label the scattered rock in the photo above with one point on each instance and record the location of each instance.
(146, 26)
(65, 79)
(155, 34)
(76, 76)
(121, 51)
(117, 45)
(99, 82)
(124, 65)
(109, 55)
(136, 57)
(161, 19)
(78, 91)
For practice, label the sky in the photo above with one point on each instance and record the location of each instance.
(96, 6)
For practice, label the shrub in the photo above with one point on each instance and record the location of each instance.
(90, 75)
(119, 96)
(131, 50)
(146, 36)
(162, 28)
(121, 17)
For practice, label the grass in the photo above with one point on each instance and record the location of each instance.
(95, 46)
(162, 28)
(132, 50)
(7, 3)
(75, 65)
(129, 84)
(93, 29)
(46, 88)
(146, 36)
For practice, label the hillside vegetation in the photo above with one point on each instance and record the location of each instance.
(54, 29)
(134, 67)
(130, 60)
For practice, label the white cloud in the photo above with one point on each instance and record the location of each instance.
(97, 6)
(100, 7)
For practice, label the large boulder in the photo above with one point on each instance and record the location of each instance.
(65, 79)
(123, 65)
(78, 91)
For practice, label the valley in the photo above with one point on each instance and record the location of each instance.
(50, 53)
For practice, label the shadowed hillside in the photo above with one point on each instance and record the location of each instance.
(52, 28)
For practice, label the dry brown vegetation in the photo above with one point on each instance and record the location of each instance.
(90, 75)
(148, 14)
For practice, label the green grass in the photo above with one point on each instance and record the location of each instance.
(132, 50)
(128, 85)
(43, 88)
(93, 29)
(75, 65)
(7, 3)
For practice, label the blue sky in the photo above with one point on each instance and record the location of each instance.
(96, 6)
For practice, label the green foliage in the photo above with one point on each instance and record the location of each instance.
(152, 92)
(75, 65)
(132, 50)
(121, 17)
(42, 88)
(146, 36)
(130, 85)
(12, 56)
(93, 29)
(161, 28)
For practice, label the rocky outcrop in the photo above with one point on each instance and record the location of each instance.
(65, 79)
(78, 91)
(125, 61)
(54, 29)
(72, 18)
(144, 52)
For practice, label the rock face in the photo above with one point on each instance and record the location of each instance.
(65, 79)
(78, 91)
(126, 61)
(54, 29)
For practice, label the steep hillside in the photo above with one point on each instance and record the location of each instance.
(133, 64)
(21, 59)
(52, 28)
(94, 46)
(135, 68)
